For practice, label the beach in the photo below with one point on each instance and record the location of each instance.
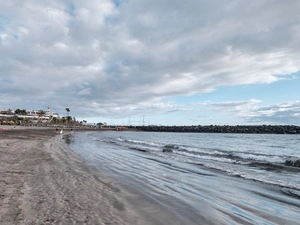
(201, 178)
(44, 182)
(99, 177)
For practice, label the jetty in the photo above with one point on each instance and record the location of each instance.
(255, 129)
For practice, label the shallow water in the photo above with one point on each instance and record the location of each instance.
(213, 178)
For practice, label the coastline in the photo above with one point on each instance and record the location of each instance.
(198, 189)
(238, 129)
(42, 181)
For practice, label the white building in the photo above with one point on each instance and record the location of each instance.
(49, 113)
(36, 114)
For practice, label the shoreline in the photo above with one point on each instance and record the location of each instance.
(42, 181)
(195, 192)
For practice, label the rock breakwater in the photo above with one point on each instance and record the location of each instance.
(259, 129)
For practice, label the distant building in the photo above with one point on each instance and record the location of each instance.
(7, 112)
(33, 114)
(49, 113)
(36, 113)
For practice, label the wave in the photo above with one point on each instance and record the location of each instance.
(271, 169)
(170, 148)
(266, 166)
(138, 149)
(234, 160)
(291, 192)
(133, 141)
(267, 162)
(293, 162)
(260, 157)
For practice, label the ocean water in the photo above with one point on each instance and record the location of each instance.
(204, 178)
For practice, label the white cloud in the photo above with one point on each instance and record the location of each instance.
(257, 112)
(90, 54)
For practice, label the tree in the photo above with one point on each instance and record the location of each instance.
(69, 118)
(18, 111)
(21, 112)
(41, 113)
(54, 120)
(68, 110)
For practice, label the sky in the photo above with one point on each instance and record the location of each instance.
(153, 62)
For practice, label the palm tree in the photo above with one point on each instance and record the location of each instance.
(68, 110)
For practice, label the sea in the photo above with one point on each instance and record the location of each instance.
(205, 178)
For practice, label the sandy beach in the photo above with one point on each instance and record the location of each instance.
(44, 182)
(45, 179)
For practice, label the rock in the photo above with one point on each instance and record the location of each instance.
(167, 150)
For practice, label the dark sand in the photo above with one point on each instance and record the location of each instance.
(44, 182)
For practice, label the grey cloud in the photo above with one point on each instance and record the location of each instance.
(285, 113)
(94, 54)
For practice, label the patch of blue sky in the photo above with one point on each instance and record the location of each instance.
(119, 2)
(286, 89)
(70, 9)
(2, 26)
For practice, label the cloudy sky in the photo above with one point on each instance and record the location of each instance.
(157, 62)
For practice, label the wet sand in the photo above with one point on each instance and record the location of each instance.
(44, 182)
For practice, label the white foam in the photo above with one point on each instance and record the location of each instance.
(262, 158)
